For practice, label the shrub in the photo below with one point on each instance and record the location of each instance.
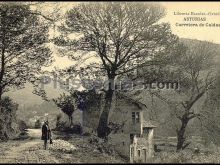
(37, 124)
(8, 123)
(74, 129)
(186, 156)
(22, 125)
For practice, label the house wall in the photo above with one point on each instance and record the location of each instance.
(143, 154)
(140, 151)
(135, 128)
(121, 143)
(122, 113)
(91, 115)
(150, 143)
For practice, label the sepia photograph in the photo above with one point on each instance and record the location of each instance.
(109, 82)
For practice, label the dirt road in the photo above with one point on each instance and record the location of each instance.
(28, 151)
(65, 149)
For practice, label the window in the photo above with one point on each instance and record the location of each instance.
(132, 152)
(135, 117)
(145, 130)
(131, 138)
(145, 155)
(139, 153)
(138, 135)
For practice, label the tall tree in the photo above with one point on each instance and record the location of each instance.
(210, 124)
(122, 36)
(193, 67)
(22, 46)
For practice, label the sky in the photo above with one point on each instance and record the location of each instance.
(200, 33)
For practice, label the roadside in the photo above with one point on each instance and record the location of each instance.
(26, 151)
(65, 149)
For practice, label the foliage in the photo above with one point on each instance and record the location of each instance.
(86, 99)
(121, 37)
(23, 50)
(58, 122)
(193, 67)
(37, 124)
(186, 157)
(8, 122)
(66, 104)
(22, 125)
(8, 104)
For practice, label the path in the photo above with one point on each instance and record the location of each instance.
(65, 149)
(28, 151)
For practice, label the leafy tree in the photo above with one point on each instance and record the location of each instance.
(214, 94)
(193, 67)
(86, 99)
(8, 104)
(210, 122)
(22, 47)
(8, 111)
(121, 37)
(66, 104)
(198, 75)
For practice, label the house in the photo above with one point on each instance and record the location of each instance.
(133, 137)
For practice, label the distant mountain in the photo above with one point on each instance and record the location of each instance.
(33, 107)
(44, 111)
(25, 97)
(194, 41)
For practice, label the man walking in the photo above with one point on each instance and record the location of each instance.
(45, 133)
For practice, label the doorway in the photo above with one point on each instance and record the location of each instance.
(145, 155)
(132, 155)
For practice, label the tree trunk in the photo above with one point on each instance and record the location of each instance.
(103, 129)
(0, 96)
(181, 134)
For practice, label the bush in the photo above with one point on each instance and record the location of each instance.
(186, 156)
(22, 136)
(22, 125)
(59, 123)
(74, 129)
(8, 123)
(8, 104)
(173, 157)
(37, 124)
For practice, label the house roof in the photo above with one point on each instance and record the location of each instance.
(137, 103)
(148, 124)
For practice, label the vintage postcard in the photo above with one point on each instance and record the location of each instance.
(109, 82)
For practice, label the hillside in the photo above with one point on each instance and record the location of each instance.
(26, 97)
(32, 106)
(194, 41)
